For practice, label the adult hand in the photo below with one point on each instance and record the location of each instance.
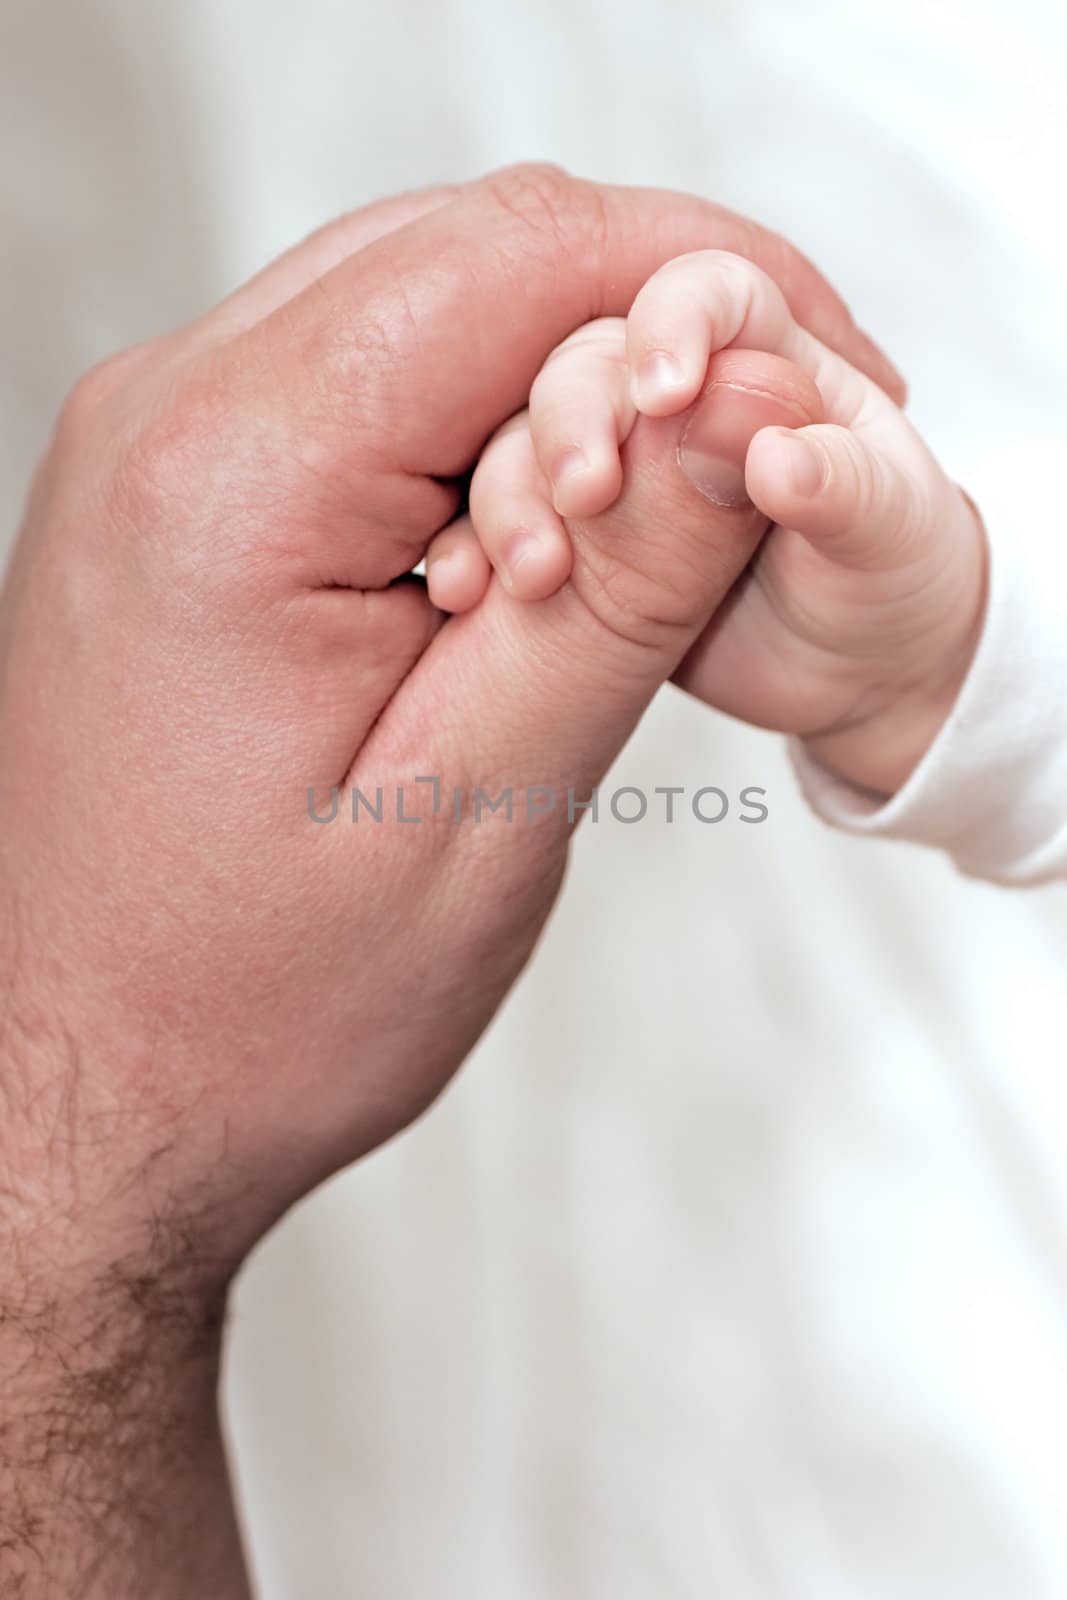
(208, 1001)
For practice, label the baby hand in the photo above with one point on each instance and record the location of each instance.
(856, 620)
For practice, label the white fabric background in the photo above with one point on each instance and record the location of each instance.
(734, 1264)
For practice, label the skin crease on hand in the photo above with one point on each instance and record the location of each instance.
(210, 1002)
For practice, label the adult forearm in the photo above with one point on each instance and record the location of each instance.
(113, 1478)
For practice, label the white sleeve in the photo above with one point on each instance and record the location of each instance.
(992, 788)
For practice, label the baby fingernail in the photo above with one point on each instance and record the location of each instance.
(660, 374)
(571, 464)
(520, 550)
(803, 465)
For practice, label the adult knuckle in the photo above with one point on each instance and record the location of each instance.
(167, 452)
(185, 458)
(651, 607)
(138, 432)
(550, 204)
(538, 193)
(353, 334)
(93, 398)
(344, 360)
(129, 443)
(82, 405)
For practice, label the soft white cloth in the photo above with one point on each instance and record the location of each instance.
(992, 788)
